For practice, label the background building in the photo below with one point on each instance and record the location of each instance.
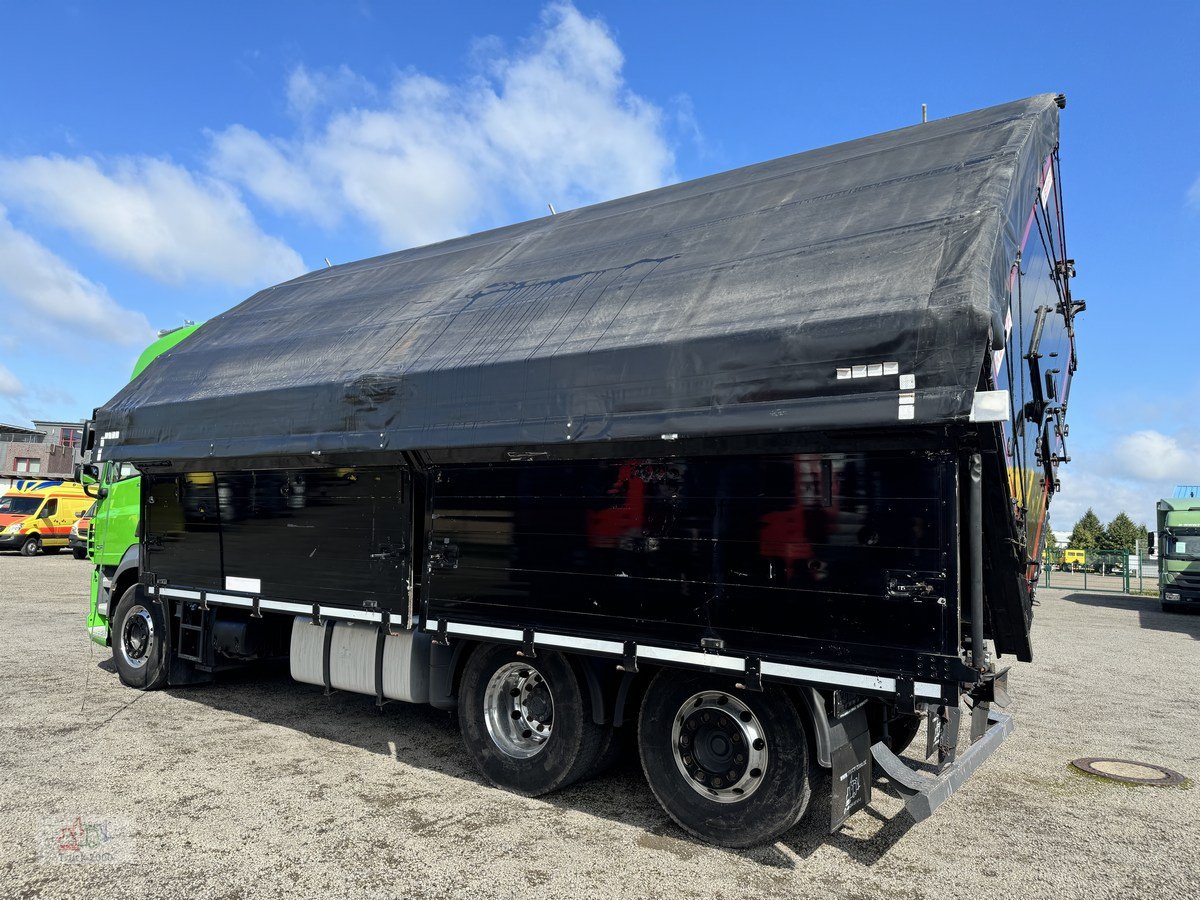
(48, 450)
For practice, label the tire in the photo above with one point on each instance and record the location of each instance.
(758, 797)
(140, 641)
(902, 730)
(32, 545)
(79, 552)
(537, 741)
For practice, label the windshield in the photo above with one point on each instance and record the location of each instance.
(91, 511)
(1176, 543)
(19, 506)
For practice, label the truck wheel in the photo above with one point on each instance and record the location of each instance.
(731, 767)
(525, 722)
(32, 545)
(901, 732)
(79, 552)
(140, 641)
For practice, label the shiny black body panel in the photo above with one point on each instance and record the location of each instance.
(324, 536)
(786, 554)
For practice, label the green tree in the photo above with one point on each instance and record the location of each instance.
(1087, 533)
(1122, 534)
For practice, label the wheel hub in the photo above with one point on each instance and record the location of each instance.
(518, 710)
(719, 746)
(137, 637)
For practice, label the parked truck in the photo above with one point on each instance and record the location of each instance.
(111, 539)
(753, 467)
(1179, 554)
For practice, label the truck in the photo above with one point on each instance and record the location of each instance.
(1178, 529)
(749, 471)
(111, 540)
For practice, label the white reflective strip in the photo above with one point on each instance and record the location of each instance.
(828, 676)
(907, 412)
(564, 640)
(874, 369)
(989, 406)
(357, 615)
(500, 634)
(431, 624)
(843, 372)
(908, 399)
(891, 368)
(182, 595)
(908, 382)
(710, 660)
(245, 585)
(859, 371)
(925, 689)
(227, 600)
(284, 606)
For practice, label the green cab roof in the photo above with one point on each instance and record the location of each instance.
(164, 343)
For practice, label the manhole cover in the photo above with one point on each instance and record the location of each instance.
(1129, 771)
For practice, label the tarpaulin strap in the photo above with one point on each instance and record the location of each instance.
(326, 652)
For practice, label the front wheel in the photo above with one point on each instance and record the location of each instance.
(525, 722)
(140, 640)
(32, 545)
(79, 552)
(731, 767)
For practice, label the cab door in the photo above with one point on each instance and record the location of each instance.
(49, 523)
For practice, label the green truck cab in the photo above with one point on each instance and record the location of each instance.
(113, 542)
(1179, 553)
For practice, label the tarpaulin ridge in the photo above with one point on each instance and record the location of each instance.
(725, 304)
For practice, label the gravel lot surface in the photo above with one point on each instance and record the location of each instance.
(257, 786)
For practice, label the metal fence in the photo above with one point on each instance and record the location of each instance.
(1118, 571)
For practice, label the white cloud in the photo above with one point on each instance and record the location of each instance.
(10, 385)
(552, 121)
(41, 288)
(152, 215)
(1193, 194)
(1153, 456)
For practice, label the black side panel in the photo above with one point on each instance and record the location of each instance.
(182, 537)
(809, 555)
(319, 535)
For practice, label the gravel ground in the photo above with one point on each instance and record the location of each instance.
(257, 786)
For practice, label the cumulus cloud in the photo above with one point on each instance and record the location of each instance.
(1154, 456)
(152, 215)
(43, 288)
(10, 385)
(552, 120)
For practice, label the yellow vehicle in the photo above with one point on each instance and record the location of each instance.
(37, 515)
(1074, 558)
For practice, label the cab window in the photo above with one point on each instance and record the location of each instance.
(50, 509)
(121, 471)
(19, 506)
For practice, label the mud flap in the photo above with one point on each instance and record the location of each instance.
(850, 758)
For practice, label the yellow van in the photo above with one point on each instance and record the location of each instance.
(38, 515)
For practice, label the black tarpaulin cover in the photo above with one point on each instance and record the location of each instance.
(722, 305)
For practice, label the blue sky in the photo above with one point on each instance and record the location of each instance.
(163, 161)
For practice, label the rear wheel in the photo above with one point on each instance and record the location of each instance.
(140, 641)
(524, 721)
(902, 730)
(32, 545)
(731, 767)
(79, 552)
